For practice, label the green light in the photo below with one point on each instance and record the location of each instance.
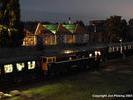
(70, 27)
(52, 28)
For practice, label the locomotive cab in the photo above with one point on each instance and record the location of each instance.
(46, 62)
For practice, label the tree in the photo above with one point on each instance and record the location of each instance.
(130, 29)
(124, 30)
(116, 28)
(4, 38)
(10, 17)
(81, 23)
(17, 34)
(131, 22)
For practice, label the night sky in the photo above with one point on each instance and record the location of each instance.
(60, 10)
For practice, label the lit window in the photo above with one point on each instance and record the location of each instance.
(20, 66)
(90, 55)
(8, 68)
(49, 59)
(117, 48)
(98, 52)
(70, 58)
(129, 46)
(95, 53)
(110, 49)
(31, 65)
(113, 49)
(125, 48)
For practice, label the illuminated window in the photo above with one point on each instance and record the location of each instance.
(95, 53)
(117, 48)
(31, 65)
(20, 66)
(98, 52)
(129, 46)
(110, 49)
(125, 48)
(70, 58)
(50, 40)
(113, 49)
(8, 68)
(90, 55)
(69, 39)
(30, 41)
(51, 59)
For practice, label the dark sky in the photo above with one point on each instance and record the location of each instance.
(60, 10)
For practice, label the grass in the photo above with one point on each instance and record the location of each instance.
(82, 86)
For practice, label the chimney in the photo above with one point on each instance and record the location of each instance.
(69, 20)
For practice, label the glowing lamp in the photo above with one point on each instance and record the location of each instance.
(90, 55)
(68, 51)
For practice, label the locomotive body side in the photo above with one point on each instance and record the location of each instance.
(20, 69)
(66, 63)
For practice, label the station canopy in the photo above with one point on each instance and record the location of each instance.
(64, 28)
(52, 28)
(60, 28)
(70, 27)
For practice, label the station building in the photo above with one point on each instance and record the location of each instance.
(57, 34)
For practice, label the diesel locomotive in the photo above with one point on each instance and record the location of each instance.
(58, 61)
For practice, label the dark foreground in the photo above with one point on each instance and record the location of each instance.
(115, 78)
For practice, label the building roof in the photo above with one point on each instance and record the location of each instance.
(52, 27)
(75, 28)
(63, 30)
(70, 27)
(59, 29)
